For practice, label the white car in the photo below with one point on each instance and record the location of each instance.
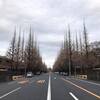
(65, 74)
(29, 74)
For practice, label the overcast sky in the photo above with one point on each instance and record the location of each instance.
(49, 19)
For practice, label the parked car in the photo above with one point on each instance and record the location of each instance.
(38, 73)
(29, 74)
(65, 74)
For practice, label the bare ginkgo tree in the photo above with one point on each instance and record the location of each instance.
(25, 56)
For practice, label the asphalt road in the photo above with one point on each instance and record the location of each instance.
(50, 87)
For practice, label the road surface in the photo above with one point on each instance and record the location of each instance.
(50, 87)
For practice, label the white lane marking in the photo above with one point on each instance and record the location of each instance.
(90, 82)
(11, 83)
(85, 81)
(9, 92)
(73, 96)
(49, 89)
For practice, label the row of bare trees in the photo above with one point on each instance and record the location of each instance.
(25, 56)
(77, 56)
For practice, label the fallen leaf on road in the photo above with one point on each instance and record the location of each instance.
(41, 81)
(23, 82)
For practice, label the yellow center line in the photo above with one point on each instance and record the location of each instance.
(97, 96)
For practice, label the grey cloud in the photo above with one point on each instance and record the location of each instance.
(50, 44)
(49, 19)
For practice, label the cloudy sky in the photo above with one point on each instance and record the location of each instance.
(49, 19)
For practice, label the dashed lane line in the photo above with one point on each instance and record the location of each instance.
(73, 96)
(10, 92)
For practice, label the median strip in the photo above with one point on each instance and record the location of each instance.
(93, 94)
(9, 92)
(73, 96)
